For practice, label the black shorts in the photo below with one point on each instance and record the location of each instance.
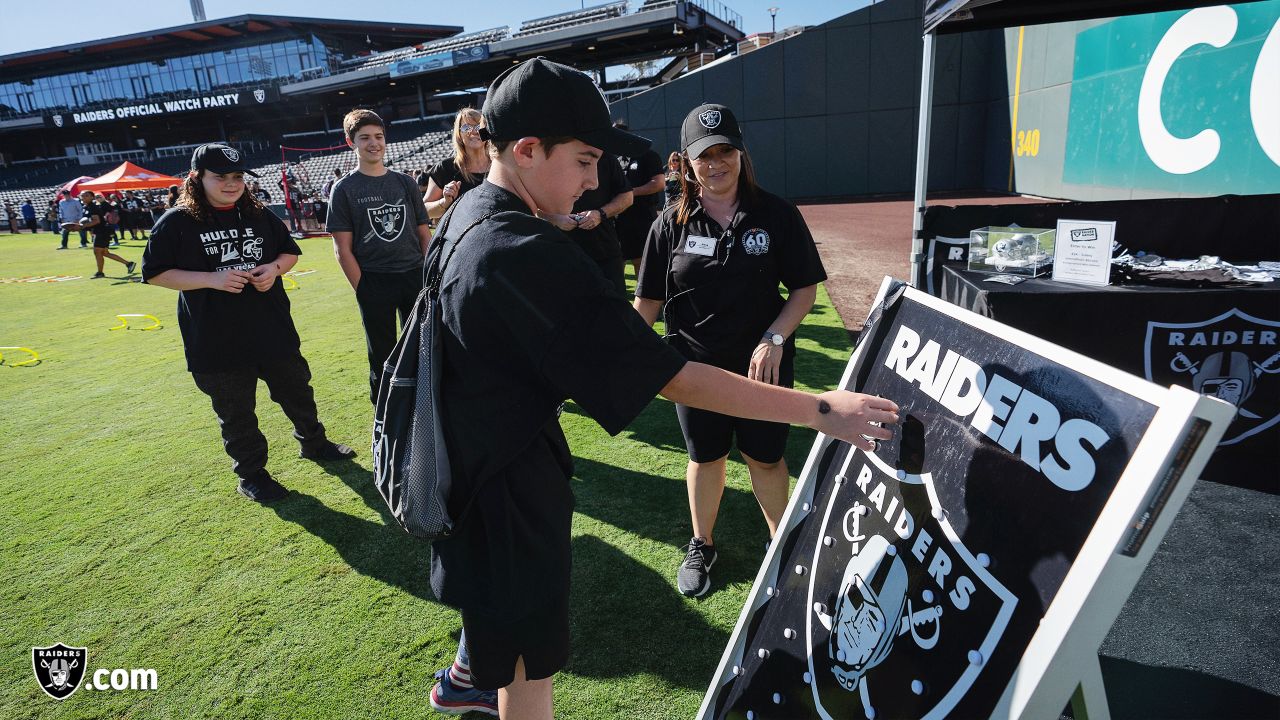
(541, 638)
(709, 435)
(102, 241)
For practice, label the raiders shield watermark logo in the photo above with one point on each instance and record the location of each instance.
(57, 121)
(901, 614)
(710, 119)
(59, 669)
(1233, 356)
(387, 221)
(260, 95)
(231, 154)
(755, 241)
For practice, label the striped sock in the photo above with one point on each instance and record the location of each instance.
(460, 674)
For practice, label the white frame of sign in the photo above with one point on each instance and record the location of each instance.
(1060, 664)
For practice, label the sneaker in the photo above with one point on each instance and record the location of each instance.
(450, 699)
(262, 488)
(99, 275)
(694, 576)
(62, 247)
(130, 266)
(329, 451)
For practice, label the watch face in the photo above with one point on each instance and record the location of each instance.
(776, 339)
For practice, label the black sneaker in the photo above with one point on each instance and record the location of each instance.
(694, 576)
(262, 488)
(99, 275)
(327, 452)
(130, 266)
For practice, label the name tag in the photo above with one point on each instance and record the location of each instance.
(699, 245)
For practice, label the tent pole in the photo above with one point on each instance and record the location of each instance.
(922, 162)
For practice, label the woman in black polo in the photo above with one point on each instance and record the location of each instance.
(716, 258)
(462, 171)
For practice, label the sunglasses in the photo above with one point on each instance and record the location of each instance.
(468, 127)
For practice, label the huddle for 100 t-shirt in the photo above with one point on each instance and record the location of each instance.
(222, 330)
(382, 214)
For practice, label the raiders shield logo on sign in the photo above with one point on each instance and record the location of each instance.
(57, 120)
(260, 95)
(755, 241)
(895, 594)
(710, 119)
(387, 221)
(1233, 357)
(59, 669)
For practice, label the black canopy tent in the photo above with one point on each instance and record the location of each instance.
(955, 16)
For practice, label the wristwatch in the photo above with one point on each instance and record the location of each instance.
(774, 338)
(603, 215)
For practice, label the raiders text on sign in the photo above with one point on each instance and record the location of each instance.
(1226, 337)
(963, 388)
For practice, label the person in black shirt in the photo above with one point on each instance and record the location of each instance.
(647, 180)
(716, 259)
(448, 179)
(131, 215)
(95, 219)
(529, 321)
(672, 184)
(225, 254)
(591, 226)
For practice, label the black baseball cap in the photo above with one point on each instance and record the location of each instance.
(219, 158)
(540, 98)
(707, 125)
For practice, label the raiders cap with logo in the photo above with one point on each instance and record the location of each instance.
(220, 159)
(540, 98)
(708, 125)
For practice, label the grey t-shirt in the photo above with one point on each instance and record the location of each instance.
(382, 214)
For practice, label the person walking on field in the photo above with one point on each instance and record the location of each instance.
(95, 219)
(69, 213)
(380, 236)
(224, 253)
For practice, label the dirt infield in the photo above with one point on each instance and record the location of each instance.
(861, 242)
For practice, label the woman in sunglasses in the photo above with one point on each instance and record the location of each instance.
(453, 176)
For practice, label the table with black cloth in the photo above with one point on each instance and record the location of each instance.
(1188, 642)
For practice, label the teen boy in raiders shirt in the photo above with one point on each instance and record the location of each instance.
(530, 320)
(380, 236)
(224, 253)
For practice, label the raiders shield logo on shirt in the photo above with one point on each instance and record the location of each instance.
(755, 241)
(387, 221)
(1233, 357)
(901, 614)
(710, 119)
(59, 669)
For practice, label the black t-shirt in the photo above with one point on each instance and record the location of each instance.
(529, 322)
(721, 288)
(446, 171)
(131, 205)
(222, 330)
(639, 171)
(601, 242)
(99, 210)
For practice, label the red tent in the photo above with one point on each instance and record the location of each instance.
(72, 187)
(129, 177)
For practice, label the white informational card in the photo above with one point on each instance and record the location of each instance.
(1082, 251)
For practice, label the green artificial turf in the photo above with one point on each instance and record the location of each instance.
(121, 530)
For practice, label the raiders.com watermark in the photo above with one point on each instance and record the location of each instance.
(61, 670)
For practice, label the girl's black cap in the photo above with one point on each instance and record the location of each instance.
(540, 98)
(219, 158)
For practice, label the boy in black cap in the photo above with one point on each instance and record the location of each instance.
(224, 253)
(529, 321)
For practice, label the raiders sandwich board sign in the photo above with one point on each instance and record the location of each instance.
(971, 566)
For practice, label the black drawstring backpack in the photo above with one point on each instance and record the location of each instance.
(410, 462)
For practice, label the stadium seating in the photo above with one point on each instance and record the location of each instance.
(457, 42)
(573, 18)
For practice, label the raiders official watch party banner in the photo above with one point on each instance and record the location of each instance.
(1023, 483)
(247, 97)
